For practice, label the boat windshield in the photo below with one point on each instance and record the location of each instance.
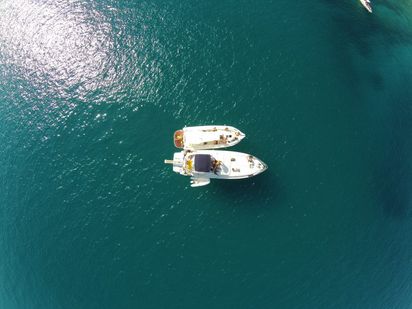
(203, 163)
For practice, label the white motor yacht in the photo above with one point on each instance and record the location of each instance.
(203, 165)
(367, 5)
(207, 137)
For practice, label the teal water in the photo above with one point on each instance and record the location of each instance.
(90, 94)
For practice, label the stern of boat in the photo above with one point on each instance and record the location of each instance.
(177, 162)
(178, 139)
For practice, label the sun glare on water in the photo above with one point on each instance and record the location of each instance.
(56, 45)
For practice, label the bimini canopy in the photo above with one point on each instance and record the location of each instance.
(203, 163)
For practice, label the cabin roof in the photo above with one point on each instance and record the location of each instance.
(202, 162)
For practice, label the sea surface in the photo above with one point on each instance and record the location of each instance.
(90, 95)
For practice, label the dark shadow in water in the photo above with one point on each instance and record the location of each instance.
(377, 81)
(365, 33)
(364, 27)
(394, 187)
(355, 29)
(394, 174)
(397, 7)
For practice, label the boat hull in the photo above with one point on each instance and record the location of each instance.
(367, 5)
(207, 137)
(203, 165)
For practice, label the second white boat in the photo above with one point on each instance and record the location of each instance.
(207, 137)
